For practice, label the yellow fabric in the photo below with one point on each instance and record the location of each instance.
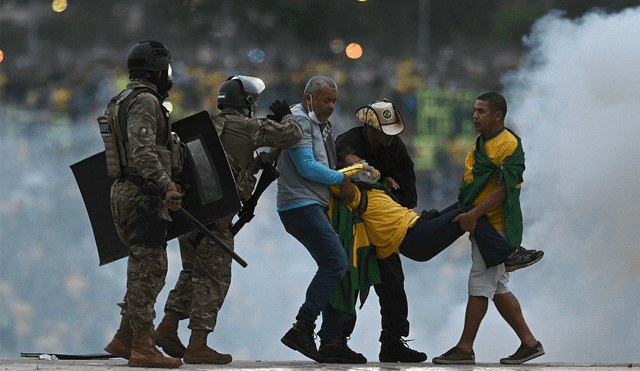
(352, 169)
(385, 221)
(497, 148)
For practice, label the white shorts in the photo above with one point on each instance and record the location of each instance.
(486, 282)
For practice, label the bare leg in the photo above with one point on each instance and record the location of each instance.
(509, 309)
(476, 309)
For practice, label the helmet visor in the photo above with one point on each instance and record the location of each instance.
(252, 85)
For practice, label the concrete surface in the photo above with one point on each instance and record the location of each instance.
(117, 364)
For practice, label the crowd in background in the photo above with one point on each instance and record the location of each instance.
(73, 90)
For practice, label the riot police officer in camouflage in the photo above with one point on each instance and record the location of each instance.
(206, 275)
(140, 149)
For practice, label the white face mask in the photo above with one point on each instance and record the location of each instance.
(312, 114)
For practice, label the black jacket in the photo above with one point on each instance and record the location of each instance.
(392, 161)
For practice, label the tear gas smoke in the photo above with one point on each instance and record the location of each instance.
(574, 103)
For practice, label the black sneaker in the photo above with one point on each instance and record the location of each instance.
(398, 350)
(522, 259)
(429, 214)
(524, 354)
(337, 351)
(301, 338)
(455, 356)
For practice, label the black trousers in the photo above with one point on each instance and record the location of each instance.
(393, 301)
(422, 247)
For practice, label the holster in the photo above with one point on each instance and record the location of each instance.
(151, 230)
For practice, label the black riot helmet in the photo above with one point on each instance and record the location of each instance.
(240, 92)
(148, 56)
(151, 56)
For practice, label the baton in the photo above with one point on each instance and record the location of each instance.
(212, 236)
(196, 223)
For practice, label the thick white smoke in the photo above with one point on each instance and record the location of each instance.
(575, 105)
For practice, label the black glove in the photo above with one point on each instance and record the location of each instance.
(280, 110)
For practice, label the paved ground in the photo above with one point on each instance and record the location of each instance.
(29, 364)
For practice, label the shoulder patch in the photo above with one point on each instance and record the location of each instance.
(150, 120)
(143, 131)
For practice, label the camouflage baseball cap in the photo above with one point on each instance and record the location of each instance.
(382, 115)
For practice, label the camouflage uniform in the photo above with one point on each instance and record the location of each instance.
(148, 157)
(206, 274)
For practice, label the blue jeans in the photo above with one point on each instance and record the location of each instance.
(427, 239)
(311, 226)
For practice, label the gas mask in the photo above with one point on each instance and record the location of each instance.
(165, 82)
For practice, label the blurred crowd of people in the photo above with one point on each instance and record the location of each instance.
(74, 87)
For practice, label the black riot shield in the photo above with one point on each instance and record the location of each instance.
(210, 188)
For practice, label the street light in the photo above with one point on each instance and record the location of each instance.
(354, 51)
(59, 5)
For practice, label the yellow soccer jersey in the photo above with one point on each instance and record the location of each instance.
(497, 148)
(385, 220)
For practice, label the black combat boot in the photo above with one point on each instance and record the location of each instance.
(301, 338)
(397, 350)
(336, 350)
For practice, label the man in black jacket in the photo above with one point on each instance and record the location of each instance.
(378, 142)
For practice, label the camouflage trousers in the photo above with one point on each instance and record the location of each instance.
(204, 280)
(147, 265)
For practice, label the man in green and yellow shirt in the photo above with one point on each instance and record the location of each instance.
(492, 179)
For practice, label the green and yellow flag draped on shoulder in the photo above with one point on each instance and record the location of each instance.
(511, 171)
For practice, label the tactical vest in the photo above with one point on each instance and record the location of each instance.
(113, 129)
(245, 178)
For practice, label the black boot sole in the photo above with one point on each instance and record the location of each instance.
(291, 344)
(401, 360)
(344, 360)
